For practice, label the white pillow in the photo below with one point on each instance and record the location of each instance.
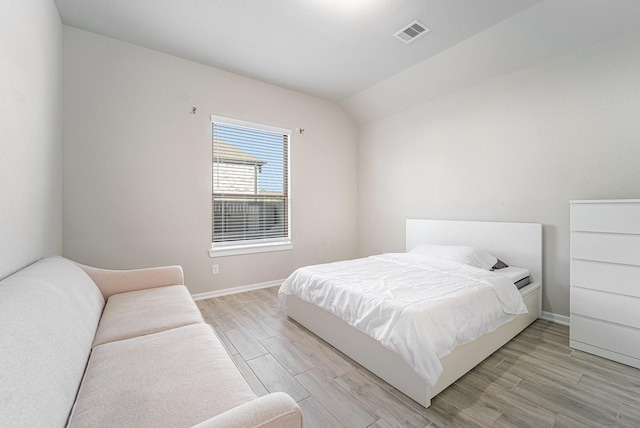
(471, 256)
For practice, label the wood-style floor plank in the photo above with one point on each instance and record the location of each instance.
(535, 380)
(336, 400)
(316, 416)
(290, 357)
(275, 378)
(322, 355)
(247, 345)
(482, 411)
(386, 405)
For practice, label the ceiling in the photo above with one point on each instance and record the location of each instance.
(333, 49)
(344, 50)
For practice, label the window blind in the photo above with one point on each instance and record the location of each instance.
(250, 195)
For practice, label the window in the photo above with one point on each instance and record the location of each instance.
(250, 194)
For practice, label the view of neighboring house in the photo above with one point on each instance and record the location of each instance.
(234, 170)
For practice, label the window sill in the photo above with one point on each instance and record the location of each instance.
(236, 250)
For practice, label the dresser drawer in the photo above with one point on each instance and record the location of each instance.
(621, 279)
(613, 248)
(615, 308)
(615, 217)
(612, 337)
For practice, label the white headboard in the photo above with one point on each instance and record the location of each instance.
(516, 244)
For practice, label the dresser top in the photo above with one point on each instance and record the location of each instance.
(607, 201)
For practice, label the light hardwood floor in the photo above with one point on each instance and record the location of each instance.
(535, 380)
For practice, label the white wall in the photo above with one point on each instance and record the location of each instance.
(516, 148)
(30, 133)
(137, 174)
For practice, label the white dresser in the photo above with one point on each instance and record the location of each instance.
(605, 279)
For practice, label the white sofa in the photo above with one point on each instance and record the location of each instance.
(82, 346)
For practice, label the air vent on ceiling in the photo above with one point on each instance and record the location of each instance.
(412, 31)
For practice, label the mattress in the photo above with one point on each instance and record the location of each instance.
(519, 276)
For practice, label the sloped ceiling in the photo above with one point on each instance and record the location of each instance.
(344, 50)
(332, 49)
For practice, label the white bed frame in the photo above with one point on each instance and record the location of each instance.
(517, 244)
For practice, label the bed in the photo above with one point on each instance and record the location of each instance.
(518, 244)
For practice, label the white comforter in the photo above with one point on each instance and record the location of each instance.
(419, 307)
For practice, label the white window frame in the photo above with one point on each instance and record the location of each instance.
(232, 248)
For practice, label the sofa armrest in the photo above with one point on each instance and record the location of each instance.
(112, 282)
(275, 410)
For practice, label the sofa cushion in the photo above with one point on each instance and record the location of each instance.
(49, 313)
(179, 377)
(137, 313)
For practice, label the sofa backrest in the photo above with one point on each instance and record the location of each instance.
(49, 313)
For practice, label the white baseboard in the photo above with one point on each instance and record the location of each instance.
(235, 290)
(560, 319)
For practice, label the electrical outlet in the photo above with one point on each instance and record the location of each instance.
(215, 269)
